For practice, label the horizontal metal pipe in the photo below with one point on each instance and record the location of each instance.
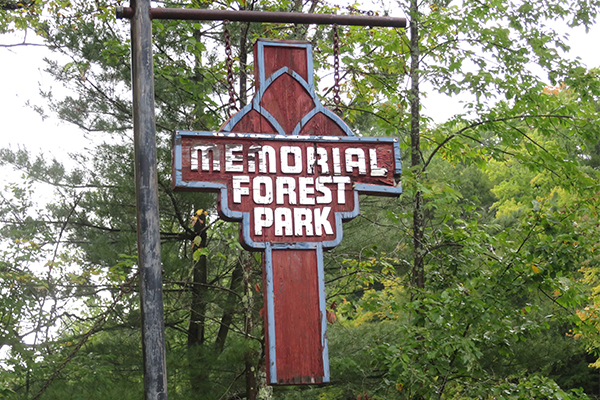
(266, 16)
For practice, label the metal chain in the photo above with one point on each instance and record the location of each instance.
(355, 10)
(229, 65)
(351, 9)
(336, 71)
(125, 288)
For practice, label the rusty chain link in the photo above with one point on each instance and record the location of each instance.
(355, 10)
(124, 289)
(127, 286)
(351, 9)
(229, 64)
(336, 70)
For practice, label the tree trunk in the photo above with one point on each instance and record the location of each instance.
(416, 159)
(250, 356)
(418, 272)
(229, 310)
(196, 336)
(251, 383)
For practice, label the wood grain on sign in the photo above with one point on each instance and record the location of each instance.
(297, 317)
(287, 101)
(253, 122)
(277, 57)
(384, 157)
(321, 125)
(285, 98)
(290, 171)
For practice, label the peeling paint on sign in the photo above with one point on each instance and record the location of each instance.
(290, 178)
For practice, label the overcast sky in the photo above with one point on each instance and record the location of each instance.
(22, 75)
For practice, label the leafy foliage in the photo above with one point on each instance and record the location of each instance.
(479, 282)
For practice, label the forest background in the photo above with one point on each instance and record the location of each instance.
(479, 282)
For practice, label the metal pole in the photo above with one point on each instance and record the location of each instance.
(146, 185)
(266, 16)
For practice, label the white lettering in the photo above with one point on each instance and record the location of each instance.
(375, 170)
(265, 153)
(238, 190)
(337, 163)
(303, 219)
(257, 190)
(234, 158)
(360, 162)
(263, 218)
(321, 188)
(285, 186)
(293, 222)
(283, 222)
(206, 150)
(305, 188)
(252, 155)
(296, 153)
(321, 221)
(341, 182)
(312, 161)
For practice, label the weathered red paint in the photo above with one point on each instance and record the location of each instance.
(384, 159)
(297, 316)
(289, 211)
(297, 319)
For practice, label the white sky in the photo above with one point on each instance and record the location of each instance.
(583, 46)
(22, 75)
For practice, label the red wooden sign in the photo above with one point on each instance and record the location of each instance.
(290, 171)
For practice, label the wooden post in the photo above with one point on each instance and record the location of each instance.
(146, 184)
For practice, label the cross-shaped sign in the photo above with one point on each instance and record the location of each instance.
(290, 171)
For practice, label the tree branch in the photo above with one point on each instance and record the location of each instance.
(491, 121)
